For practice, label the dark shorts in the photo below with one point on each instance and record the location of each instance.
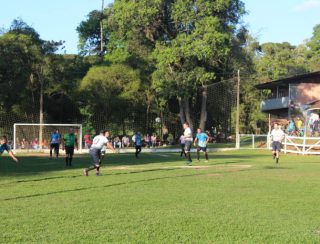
(187, 146)
(54, 146)
(95, 155)
(138, 147)
(182, 146)
(276, 146)
(203, 149)
(69, 150)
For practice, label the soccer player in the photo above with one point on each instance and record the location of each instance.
(202, 139)
(277, 136)
(98, 143)
(137, 142)
(188, 138)
(182, 144)
(69, 142)
(5, 147)
(55, 143)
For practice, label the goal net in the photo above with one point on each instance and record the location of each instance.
(37, 137)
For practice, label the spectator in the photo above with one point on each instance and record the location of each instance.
(316, 127)
(117, 142)
(147, 140)
(291, 127)
(35, 144)
(125, 141)
(154, 140)
(87, 140)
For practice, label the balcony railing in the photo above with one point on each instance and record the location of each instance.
(276, 103)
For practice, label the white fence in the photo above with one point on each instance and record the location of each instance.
(302, 145)
(252, 141)
(291, 144)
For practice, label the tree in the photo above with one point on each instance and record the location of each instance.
(89, 34)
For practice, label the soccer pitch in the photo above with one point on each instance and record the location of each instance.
(238, 196)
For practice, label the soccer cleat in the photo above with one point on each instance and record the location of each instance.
(98, 174)
(85, 172)
(277, 160)
(273, 156)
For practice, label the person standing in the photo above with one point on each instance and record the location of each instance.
(5, 147)
(99, 142)
(87, 140)
(138, 144)
(202, 139)
(55, 143)
(188, 138)
(70, 142)
(277, 135)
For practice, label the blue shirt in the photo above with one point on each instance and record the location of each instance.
(4, 147)
(202, 138)
(55, 138)
(138, 140)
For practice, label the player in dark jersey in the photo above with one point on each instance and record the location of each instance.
(5, 147)
(55, 143)
(69, 142)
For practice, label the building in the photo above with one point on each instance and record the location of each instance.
(293, 96)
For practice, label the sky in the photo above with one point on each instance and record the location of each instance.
(267, 20)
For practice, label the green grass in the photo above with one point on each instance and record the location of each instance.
(240, 197)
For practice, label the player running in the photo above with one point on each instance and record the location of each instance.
(188, 138)
(182, 144)
(5, 147)
(95, 151)
(70, 141)
(202, 139)
(55, 143)
(277, 136)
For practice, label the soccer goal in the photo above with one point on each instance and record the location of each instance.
(37, 137)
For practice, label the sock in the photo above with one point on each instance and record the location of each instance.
(70, 160)
(206, 156)
(189, 156)
(198, 155)
(67, 161)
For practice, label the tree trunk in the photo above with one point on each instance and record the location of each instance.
(203, 115)
(181, 111)
(188, 113)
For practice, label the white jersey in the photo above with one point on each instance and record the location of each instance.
(99, 142)
(277, 135)
(182, 140)
(188, 134)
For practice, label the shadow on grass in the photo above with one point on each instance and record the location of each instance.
(78, 176)
(35, 165)
(276, 167)
(110, 185)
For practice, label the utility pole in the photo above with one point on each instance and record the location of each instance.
(101, 29)
(238, 113)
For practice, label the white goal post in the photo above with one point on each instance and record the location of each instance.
(36, 137)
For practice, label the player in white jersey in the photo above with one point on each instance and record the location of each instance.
(98, 143)
(188, 139)
(277, 135)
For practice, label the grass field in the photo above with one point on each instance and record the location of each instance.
(237, 197)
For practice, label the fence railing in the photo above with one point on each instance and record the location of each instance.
(291, 144)
(252, 141)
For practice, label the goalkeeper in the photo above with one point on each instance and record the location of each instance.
(5, 147)
(95, 151)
